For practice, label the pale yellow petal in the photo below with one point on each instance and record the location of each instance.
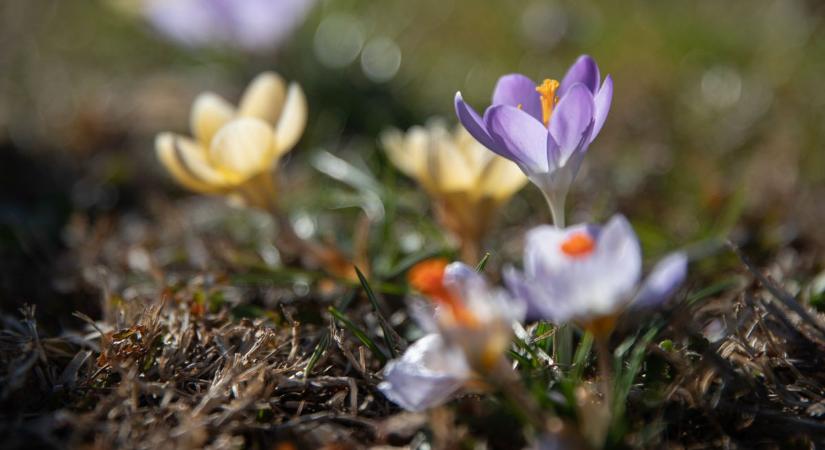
(194, 159)
(501, 179)
(242, 149)
(209, 113)
(477, 155)
(418, 144)
(264, 98)
(405, 159)
(451, 168)
(169, 152)
(292, 122)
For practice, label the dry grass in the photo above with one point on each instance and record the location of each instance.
(210, 359)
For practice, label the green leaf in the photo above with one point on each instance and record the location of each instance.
(581, 357)
(387, 331)
(319, 350)
(359, 333)
(483, 263)
(624, 377)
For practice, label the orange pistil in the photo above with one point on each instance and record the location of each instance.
(578, 245)
(547, 91)
(427, 277)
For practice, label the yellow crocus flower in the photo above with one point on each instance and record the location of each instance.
(466, 182)
(233, 150)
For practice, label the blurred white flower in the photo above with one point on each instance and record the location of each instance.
(428, 374)
(245, 24)
(589, 275)
(470, 329)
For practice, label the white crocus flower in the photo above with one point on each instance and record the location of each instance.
(470, 329)
(589, 275)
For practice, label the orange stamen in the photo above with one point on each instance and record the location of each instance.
(427, 277)
(578, 245)
(547, 91)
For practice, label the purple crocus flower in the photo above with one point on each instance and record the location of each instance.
(545, 129)
(588, 275)
(246, 24)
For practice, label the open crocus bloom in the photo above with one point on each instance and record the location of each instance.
(466, 182)
(232, 146)
(470, 329)
(589, 275)
(545, 129)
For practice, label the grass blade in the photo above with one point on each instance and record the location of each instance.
(320, 348)
(386, 329)
(581, 356)
(359, 333)
(483, 263)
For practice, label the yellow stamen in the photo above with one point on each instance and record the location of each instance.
(547, 91)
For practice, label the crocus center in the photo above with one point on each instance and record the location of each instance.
(578, 245)
(547, 91)
(427, 277)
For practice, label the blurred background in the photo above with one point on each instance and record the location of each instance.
(716, 129)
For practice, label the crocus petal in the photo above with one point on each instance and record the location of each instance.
(665, 278)
(184, 21)
(602, 102)
(537, 304)
(518, 91)
(571, 122)
(475, 125)
(448, 164)
(423, 314)
(426, 375)
(501, 179)
(261, 24)
(542, 248)
(292, 121)
(523, 137)
(617, 260)
(169, 156)
(417, 147)
(555, 184)
(264, 98)
(408, 159)
(209, 113)
(475, 155)
(463, 280)
(242, 149)
(584, 71)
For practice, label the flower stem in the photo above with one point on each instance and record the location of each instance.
(469, 250)
(605, 373)
(557, 211)
(563, 338)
